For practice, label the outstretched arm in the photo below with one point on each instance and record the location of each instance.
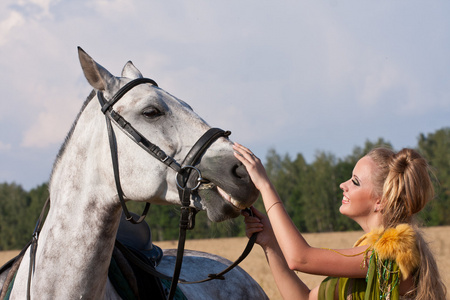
(299, 255)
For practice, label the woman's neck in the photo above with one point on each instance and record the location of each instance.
(371, 222)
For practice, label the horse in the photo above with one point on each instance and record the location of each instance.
(98, 170)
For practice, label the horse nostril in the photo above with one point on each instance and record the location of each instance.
(240, 171)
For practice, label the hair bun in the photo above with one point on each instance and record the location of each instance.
(402, 160)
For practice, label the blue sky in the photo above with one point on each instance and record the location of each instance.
(297, 76)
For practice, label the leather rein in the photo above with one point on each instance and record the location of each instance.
(183, 173)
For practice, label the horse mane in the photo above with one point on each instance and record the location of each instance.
(72, 128)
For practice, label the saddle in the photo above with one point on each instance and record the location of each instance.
(130, 280)
(138, 237)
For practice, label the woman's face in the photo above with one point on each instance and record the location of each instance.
(359, 201)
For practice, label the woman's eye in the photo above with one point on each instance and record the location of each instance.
(355, 182)
(151, 112)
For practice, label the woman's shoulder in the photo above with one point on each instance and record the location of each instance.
(398, 244)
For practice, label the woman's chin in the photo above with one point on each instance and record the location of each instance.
(342, 210)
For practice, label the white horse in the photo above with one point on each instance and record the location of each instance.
(76, 242)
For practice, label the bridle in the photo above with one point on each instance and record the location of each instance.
(183, 172)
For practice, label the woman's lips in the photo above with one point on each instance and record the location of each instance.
(345, 200)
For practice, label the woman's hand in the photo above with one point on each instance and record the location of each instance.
(259, 223)
(253, 165)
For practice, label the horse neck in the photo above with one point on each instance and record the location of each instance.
(77, 239)
(74, 250)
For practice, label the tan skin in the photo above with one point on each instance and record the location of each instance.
(284, 246)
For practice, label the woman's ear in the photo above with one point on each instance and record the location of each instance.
(377, 206)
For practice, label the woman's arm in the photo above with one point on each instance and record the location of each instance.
(287, 281)
(301, 256)
(298, 254)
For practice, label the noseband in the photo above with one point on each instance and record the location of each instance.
(183, 172)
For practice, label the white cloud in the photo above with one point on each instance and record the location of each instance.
(36, 9)
(56, 111)
(7, 25)
(285, 72)
(49, 129)
(382, 77)
(112, 9)
(4, 147)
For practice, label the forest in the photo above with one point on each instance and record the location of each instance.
(310, 192)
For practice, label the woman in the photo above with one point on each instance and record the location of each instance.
(391, 261)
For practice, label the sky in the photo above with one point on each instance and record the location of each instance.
(295, 76)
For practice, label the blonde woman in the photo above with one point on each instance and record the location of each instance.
(391, 261)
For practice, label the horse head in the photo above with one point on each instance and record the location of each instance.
(174, 127)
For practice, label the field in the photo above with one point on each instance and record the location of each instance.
(255, 263)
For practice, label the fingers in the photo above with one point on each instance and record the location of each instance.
(239, 146)
(243, 152)
(242, 149)
(250, 231)
(252, 225)
(257, 213)
(251, 221)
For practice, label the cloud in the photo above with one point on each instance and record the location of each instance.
(49, 129)
(35, 9)
(383, 77)
(7, 25)
(4, 147)
(56, 110)
(298, 75)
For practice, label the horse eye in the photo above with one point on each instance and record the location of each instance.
(151, 112)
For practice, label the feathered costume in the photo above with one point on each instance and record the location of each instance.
(394, 256)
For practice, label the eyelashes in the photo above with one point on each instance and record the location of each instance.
(355, 182)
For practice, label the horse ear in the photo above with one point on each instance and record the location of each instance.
(97, 76)
(130, 71)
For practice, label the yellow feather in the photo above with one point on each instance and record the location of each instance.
(399, 244)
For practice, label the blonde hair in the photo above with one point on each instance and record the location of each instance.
(403, 182)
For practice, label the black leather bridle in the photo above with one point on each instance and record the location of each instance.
(183, 172)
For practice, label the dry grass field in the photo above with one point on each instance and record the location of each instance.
(256, 266)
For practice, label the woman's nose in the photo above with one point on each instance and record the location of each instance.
(343, 186)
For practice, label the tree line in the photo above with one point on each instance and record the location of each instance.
(310, 192)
